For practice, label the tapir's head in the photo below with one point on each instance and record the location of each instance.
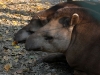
(55, 36)
(35, 23)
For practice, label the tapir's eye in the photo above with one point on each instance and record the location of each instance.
(65, 21)
(48, 37)
(31, 32)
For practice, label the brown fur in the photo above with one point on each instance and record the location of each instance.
(81, 41)
(83, 53)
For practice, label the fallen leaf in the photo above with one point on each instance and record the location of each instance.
(18, 15)
(4, 6)
(5, 57)
(4, 20)
(14, 43)
(14, 22)
(17, 47)
(20, 71)
(39, 8)
(20, 53)
(1, 3)
(16, 60)
(30, 61)
(7, 66)
(32, 6)
(7, 31)
(9, 39)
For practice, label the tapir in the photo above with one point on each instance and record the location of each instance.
(37, 21)
(75, 33)
(43, 17)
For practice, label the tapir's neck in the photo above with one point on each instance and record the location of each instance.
(85, 41)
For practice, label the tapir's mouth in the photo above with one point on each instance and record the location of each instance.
(19, 41)
(36, 49)
(23, 41)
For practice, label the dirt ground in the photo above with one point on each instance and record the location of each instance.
(14, 59)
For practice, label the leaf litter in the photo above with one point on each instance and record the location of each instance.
(14, 59)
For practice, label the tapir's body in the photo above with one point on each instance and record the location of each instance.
(43, 17)
(83, 53)
(75, 32)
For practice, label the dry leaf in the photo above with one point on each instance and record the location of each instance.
(7, 31)
(4, 20)
(1, 3)
(0, 38)
(7, 67)
(20, 71)
(5, 57)
(14, 22)
(4, 6)
(30, 61)
(39, 8)
(32, 6)
(9, 39)
(16, 60)
(18, 15)
(14, 43)
(20, 53)
(16, 47)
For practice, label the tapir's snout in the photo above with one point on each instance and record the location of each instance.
(34, 43)
(28, 45)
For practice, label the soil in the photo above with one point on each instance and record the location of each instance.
(14, 59)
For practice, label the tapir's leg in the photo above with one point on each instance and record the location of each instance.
(55, 57)
(58, 57)
(79, 73)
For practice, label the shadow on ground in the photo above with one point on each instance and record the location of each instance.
(15, 60)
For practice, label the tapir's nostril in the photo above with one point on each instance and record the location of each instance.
(48, 37)
(31, 32)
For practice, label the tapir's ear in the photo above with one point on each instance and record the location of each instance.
(74, 19)
(43, 20)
